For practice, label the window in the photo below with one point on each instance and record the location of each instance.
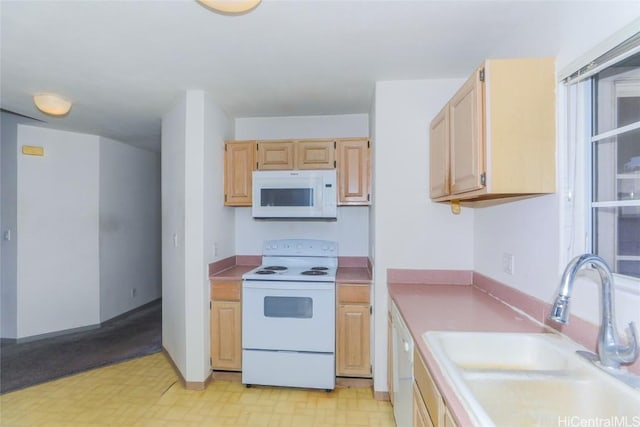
(615, 165)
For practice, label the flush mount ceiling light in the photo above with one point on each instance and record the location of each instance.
(52, 104)
(232, 7)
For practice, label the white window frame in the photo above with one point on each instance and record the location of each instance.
(576, 199)
(629, 283)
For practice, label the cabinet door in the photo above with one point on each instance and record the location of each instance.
(315, 154)
(226, 344)
(275, 155)
(439, 155)
(448, 418)
(354, 174)
(420, 415)
(353, 341)
(466, 122)
(239, 161)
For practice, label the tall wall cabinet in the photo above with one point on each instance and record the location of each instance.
(495, 138)
(349, 156)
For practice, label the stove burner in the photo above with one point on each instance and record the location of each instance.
(314, 273)
(275, 268)
(265, 272)
(319, 268)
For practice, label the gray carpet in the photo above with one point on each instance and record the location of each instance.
(128, 336)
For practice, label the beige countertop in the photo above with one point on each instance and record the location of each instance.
(427, 307)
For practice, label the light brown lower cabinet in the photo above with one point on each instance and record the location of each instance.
(226, 326)
(353, 334)
(420, 414)
(429, 408)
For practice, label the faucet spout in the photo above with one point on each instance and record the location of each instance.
(611, 351)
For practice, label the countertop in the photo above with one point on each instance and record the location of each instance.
(427, 307)
(343, 275)
(233, 273)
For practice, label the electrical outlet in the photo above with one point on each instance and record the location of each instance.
(508, 261)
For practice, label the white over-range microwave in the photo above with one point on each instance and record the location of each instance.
(295, 194)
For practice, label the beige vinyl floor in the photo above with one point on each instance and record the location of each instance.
(146, 392)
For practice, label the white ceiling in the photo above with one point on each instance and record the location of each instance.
(126, 63)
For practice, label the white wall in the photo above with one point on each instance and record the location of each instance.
(85, 215)
(219, 220)
(410, 230)
(351, 228)
(334, 126)
(193, 135)
(129, 227)
(532, 229)
(9, 222)
(57, 258)
(173, 223)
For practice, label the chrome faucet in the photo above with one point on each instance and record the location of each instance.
(610, 350)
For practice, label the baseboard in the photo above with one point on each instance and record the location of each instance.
(381, 395)
(130, 312)
(188, 385)
(54, 334)
(349, 382)
(226, 376)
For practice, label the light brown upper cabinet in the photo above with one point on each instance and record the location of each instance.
(315, 154)
(239, 162)
(354, 172)
(291, 154)
(496, 137)
(350, 156)
(275, 155)
(439, 154)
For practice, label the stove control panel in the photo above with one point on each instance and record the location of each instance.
(300, 247)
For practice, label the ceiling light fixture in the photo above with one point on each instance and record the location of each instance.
(52, 104)
(231, 7)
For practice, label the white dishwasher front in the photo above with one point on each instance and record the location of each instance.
(402, 371)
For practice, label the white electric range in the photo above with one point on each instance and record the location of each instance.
(288, 315)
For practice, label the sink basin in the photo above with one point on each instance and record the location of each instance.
(507, 379)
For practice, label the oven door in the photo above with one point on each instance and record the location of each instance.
(290, 316)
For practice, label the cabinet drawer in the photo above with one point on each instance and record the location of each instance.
(225, 291)
(430, 394)
(353, 293)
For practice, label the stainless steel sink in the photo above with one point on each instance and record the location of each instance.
(507, 379)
